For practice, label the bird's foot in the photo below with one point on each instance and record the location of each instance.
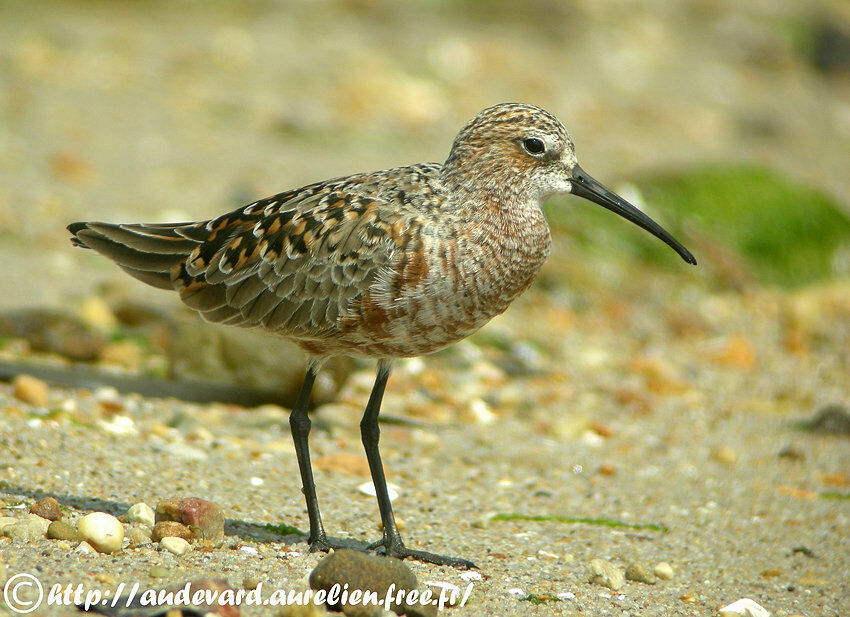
(394, 547)
(325, 544)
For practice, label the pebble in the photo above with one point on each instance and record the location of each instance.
(95, 312)
(5, 522)
(831, 420)
(725, 455)
(158, 572)
(792, 452)
(362, 571)
(167, 510)
(142, 514)
(30, 390)
(138, 534)
(367, 488)
(744, 608)
(184, 452)
(470, 576)
(60, 530)
(204, 515)
(637, 571)
(175, 545)
(28, 529)
(606, 574)
(38, 522)
(126, 354)
(85, 548)
(122, 426)
(47, 508)
(171, 529)
(663, 570)
(103, 531)
(106, 579)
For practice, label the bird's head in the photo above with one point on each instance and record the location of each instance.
(525, 153)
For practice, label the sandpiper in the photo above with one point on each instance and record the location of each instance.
(388, 264)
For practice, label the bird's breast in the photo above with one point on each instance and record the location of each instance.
(450, 285)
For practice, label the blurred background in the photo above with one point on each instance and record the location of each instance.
(727, 121)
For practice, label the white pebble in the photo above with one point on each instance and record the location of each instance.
(471, 575)
(118, 425)
(249, 550)
(184, 451)
(85, 548)
(516, 591)
(566, 595)
(592, 439)
(664, 571)
(103, 531)
(451, 588)
(481, 412)
(175, 545)
(255, 481)
(744, 608)
(367, 488)
(141, 513)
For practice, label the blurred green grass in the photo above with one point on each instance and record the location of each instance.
(778, 231)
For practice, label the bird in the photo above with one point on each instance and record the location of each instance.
(385, 265)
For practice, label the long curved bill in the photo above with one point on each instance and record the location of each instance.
(585, 186)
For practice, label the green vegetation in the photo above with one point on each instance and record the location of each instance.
(777, 231)
(284, 530)
(605, 522)
(539, 598)
(834, 495)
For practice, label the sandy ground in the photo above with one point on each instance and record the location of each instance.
(693, 437)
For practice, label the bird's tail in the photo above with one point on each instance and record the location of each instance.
(150, 253)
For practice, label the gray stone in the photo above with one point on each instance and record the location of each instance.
(637, 571)
(60, 530)
(364, 572)
(25, 530)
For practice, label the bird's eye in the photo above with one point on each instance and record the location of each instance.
(533, 145)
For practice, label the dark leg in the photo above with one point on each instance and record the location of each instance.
(300, 423)
(370, 432)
